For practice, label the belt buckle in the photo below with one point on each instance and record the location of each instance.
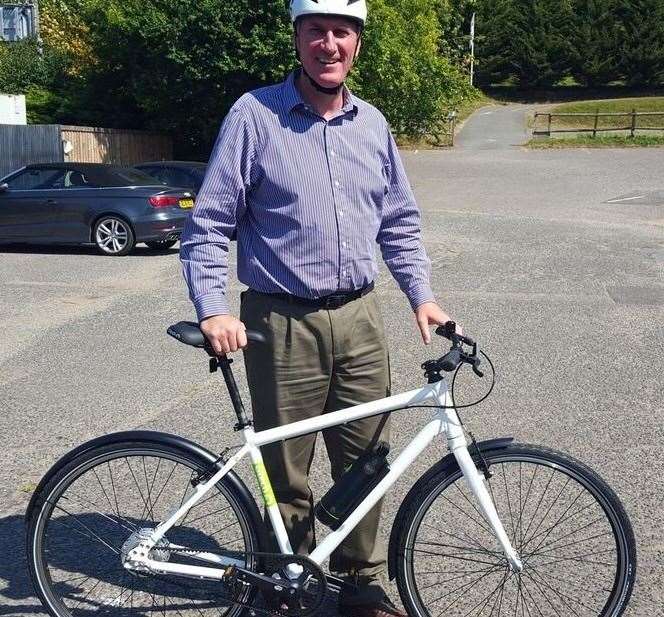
(334, 301)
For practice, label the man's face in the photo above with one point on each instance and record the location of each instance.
(327, 47)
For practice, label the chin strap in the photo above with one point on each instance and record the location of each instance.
(317, 86)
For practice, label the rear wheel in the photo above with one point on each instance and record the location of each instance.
(113, 236)
(568, 526)
(91, 513)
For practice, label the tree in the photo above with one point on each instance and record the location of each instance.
(594, 39)
(401, 70)
(178, 66)
(62, 29)
(454, 18)
(539, 47)
(493, 46)
(641, 45)
(26, 66)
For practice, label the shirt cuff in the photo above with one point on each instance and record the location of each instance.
(212, 304)
(419, 294)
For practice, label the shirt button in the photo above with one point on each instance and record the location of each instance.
(343, 244)
(333, 153)
(336, 183)
(341, 212)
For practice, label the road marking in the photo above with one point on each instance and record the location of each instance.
(617, 199)
(487, 113)
(492, 140)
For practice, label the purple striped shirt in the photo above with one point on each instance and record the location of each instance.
(307, 200)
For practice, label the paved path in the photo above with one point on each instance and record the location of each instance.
(541, 255)
(495, 127)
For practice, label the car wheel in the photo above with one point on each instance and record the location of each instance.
(161, 245)
(113, 236)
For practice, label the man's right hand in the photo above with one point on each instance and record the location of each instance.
(225, 333)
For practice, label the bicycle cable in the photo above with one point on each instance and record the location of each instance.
(453, 405)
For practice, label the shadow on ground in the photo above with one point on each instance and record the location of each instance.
(47, 249)
(93, 581)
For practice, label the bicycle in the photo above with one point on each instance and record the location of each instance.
(139, 522)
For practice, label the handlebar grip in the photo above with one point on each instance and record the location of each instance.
(450, 360)
(255, 337)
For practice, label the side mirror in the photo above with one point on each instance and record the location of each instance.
(3, 187)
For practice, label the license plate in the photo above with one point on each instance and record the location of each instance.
(186, 203)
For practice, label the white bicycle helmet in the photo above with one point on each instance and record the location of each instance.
(355, 9)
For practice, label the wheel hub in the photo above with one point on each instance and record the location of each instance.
(137, 545)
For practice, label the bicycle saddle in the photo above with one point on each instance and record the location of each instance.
(189, 333)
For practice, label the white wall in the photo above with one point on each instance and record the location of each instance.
(12, 109)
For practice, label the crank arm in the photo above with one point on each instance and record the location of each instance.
(265, 583)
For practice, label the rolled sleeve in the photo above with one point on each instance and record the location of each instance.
(399, 236)
(219, 205)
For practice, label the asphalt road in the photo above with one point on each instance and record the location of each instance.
(536, 253)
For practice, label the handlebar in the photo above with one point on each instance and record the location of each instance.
(455, 357)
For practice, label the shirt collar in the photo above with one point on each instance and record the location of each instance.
(292, 97)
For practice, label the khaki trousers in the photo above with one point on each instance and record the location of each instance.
(317, 361)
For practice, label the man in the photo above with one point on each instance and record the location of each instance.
(308, 178)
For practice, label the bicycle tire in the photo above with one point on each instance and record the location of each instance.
(572, 532)
(89, 508)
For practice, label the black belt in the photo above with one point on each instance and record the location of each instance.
(333, 301)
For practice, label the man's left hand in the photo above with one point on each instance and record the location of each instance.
(429, 314)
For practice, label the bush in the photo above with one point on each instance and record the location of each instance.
(25, 63)
(401, 71)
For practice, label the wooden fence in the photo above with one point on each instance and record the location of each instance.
(115, 146)
(20, 145)
(632, 128)
(51, 143)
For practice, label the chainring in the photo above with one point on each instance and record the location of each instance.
(302, 596)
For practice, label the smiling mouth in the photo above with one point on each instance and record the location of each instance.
(327, 62)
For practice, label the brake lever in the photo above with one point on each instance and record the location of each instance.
(448, 330)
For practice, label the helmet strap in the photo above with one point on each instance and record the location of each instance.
(332, 91)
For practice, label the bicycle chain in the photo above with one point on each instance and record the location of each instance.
(276, 611)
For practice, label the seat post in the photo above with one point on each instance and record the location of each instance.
(224, 363)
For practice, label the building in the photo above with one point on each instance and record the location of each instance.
(12, 109)
(18, 20)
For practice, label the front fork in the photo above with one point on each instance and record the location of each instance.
(458, 445)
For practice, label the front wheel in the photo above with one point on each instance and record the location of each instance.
(569, 528)
(95, 508)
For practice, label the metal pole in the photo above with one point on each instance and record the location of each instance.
(472, 49)
(633, 120)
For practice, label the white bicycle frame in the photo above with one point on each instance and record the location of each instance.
(443, 420)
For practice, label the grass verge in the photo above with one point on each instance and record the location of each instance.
(642, 104)
(601, 141)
